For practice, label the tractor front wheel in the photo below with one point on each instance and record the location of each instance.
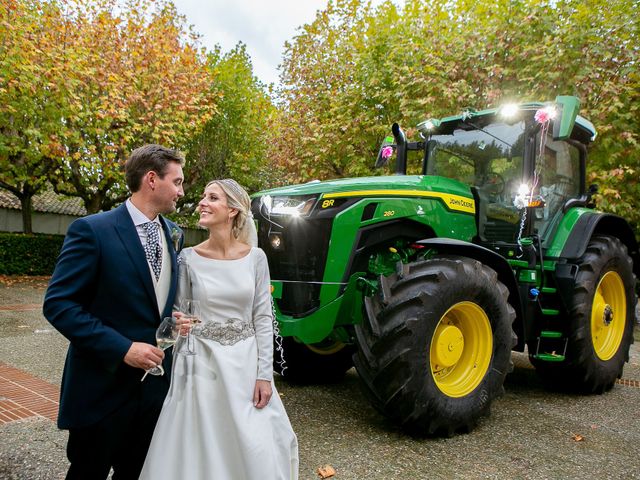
(435, 345)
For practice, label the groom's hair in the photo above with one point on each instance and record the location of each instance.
(147, 158)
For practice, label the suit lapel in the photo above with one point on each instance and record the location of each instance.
(128, 234)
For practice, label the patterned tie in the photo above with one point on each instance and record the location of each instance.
(153, 247)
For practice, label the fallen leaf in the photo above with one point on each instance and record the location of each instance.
(577, 437)
(326, 471)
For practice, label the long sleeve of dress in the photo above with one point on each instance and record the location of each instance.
(263, 317)
(184, 281)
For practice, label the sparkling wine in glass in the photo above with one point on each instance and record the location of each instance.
(166, 336)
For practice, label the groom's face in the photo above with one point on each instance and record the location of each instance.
(168, 189)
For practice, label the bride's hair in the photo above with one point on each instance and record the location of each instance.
(243, 227)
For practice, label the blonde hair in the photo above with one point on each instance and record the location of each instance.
(237, 198)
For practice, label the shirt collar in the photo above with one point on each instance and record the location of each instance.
(137, 216)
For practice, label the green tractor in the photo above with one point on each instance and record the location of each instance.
(426, 282)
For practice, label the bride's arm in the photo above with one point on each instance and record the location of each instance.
(263, 318)
(184, 282)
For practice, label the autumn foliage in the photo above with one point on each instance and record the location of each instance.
(356, 69)
(82, 83)
(97, 79)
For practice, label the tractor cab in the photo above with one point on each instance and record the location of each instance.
(524, 164)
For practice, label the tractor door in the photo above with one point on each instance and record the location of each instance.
(558, 177)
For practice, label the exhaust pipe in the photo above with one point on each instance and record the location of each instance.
(401, 149)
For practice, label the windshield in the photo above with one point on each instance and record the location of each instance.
(488, 157)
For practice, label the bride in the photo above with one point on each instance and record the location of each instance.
(222, 418)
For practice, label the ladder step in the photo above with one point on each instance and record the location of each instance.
(550, 311)
(549, 357)
(550, 334)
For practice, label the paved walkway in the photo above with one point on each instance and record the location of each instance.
(22, 396)
(27, 307)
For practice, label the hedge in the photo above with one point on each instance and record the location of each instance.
(29, 254)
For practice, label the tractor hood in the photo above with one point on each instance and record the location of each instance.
(300, 200)
(380, 183)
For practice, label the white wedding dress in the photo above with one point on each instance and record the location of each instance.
(209, 428)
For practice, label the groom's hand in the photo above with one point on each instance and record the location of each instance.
(144, 356)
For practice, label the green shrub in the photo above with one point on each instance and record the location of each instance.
(23, 254)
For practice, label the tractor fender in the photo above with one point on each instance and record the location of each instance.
(605, 224)
(488, 257)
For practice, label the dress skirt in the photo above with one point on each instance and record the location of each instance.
(209, 428)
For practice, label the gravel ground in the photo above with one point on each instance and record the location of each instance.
(530, 434)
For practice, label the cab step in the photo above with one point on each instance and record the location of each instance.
(550, 342)
(549, 357)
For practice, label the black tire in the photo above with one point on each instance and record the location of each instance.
(396, 349)
(597, 348)
(324, 362)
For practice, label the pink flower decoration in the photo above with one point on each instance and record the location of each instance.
(387, 152)
(544, 115)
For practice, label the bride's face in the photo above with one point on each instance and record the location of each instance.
(213, 208)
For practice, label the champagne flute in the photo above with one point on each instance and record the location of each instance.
(166, 336)
(191, 310)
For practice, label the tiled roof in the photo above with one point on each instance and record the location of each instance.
(46, 202)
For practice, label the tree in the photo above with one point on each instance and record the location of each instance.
(29, 44)
(233, 143)
(355, 69)
(132, 74)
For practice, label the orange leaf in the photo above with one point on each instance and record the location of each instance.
(577, 437)
(326, 471)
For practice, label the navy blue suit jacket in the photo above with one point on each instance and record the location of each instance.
(101, 297)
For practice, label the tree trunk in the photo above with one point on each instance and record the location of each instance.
(26, 204)
(93, 203)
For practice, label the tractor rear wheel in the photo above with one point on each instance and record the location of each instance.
(602, 314)
(435, 344)
(322, 362)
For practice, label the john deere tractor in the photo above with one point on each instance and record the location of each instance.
(426, 282)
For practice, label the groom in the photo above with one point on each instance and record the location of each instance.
(115, 280)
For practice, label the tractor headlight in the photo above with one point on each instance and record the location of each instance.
(509, 111)
(295, 206)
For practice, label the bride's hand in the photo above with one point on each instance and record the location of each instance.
(262, 393)
(182, 323)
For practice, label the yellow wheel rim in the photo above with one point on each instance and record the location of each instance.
(328, 347)
(608, 316)
(461, 349)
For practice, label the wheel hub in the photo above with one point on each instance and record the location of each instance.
(461, 349)
(609, 297)
(607, 315)
(449, 346)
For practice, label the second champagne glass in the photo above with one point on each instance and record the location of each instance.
(191, 310)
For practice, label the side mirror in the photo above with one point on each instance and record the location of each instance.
(385, 152)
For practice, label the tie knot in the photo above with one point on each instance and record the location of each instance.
(151, 227)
